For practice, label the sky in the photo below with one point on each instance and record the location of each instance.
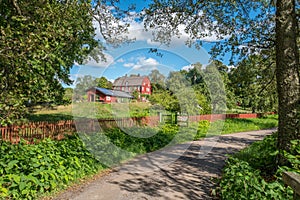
(135, 58)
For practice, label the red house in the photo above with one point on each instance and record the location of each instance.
(97, 94)
(129, 84)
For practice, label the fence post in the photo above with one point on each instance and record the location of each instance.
(160, 117)
(293, 180)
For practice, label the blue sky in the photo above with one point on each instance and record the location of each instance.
(135, 58)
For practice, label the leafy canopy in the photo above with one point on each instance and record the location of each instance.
(39, 43)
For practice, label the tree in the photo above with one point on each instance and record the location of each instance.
(254, 83)
(39, 43)
(224, 84)
(288, 78)
(216, 88)
(163, 99)
(40, 40)
(188, 99)
(82, 84)
(243, 27)
(200, 76)
(157, 79)
(68, 96)
(103, 83)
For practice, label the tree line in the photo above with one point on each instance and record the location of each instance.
(202, 89)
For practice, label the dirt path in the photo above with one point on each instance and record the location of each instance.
(176, 173)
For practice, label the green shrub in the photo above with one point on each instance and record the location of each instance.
(261, 155)
(252, 173)
(293, 157)
(31, 170)
(241, 181)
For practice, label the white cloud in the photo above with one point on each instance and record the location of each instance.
(102, 63)
(230, 67)
(145, 62)
(111, 80)
(187, 67)
(142, 62)
(128, 64)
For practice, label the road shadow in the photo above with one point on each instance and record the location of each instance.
(188, 177)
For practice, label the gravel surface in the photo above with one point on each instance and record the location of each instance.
(185, 171)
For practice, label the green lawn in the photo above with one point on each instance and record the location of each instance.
(91, 110)
(252, 124)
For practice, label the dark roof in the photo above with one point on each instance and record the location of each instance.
(132, 80)
(113, 93)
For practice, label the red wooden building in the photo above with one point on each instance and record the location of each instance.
(129, 84)
(97, 94)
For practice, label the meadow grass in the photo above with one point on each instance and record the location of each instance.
(90, 110)
(251, 124)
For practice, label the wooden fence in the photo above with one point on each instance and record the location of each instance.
(214, 117)
(57, 130)
(37, 130)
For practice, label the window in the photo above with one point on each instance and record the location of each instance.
(108, 98)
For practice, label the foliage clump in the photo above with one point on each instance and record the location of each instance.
(28, 171)
(253, 173)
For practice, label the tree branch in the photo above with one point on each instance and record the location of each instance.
(259, 94)
(17, 7)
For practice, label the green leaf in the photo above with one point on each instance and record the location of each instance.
(12, 163)
(22, 185)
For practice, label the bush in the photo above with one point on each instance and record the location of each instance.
(261, 155)
(31, 170)
(241, 181)
(253, 174)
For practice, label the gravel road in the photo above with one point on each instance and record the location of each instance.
(178, 172)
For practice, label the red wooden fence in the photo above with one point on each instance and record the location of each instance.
(215, 117)
(56, 130)
(37, 130)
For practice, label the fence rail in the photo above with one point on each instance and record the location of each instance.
(57, 130)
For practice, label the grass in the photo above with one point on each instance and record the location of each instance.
(252, 124)
(56, 113)
(205, 128)
(90, 110)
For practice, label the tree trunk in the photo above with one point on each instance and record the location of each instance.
(288, 82)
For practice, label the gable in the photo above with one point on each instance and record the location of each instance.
(130, 81)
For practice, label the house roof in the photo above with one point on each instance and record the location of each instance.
(131, 81)
(113, 93)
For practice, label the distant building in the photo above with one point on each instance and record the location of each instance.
(129, 84)
(97, 94)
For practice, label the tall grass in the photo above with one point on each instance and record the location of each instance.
(252, 124)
